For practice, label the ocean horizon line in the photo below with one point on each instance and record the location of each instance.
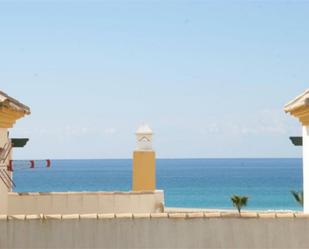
(164, 158)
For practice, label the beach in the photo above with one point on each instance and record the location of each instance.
(187, 183)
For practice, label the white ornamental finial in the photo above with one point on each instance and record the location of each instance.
(144, 137)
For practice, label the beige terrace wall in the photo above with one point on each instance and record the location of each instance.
(154, 231)
(3, 188)
(85, 202)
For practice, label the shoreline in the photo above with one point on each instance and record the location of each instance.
(214, 210)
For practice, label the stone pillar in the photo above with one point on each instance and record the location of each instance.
(144, 172)
(306, 167)
(144, 166)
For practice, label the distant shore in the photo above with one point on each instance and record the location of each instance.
(213, 210)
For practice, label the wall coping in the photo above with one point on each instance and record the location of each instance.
(193, 215)
(85, 193)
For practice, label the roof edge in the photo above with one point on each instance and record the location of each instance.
(15, 102)
(297, 102)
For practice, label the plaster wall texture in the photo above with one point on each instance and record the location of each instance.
(85, 202)
(3, 136)
(144, 171)
(3, 188)
(160, 232)
(306, 167)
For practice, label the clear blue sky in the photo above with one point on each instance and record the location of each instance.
(210, 78)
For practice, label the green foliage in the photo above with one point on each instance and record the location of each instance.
(299, 197)
(239, 202)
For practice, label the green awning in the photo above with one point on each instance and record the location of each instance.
(297, 141)
(19, 142)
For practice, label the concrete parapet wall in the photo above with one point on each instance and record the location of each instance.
(85, 202)
(158, 230)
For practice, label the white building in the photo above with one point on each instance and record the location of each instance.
(299, 108)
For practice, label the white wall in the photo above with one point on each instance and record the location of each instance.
(306, 168)
(85, 202)
(3, 137)
(3, 188)
(156, 233)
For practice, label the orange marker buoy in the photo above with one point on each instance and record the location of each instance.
(31, 164)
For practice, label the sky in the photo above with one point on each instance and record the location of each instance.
(211, 78)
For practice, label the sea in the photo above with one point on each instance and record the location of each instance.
(187, 183)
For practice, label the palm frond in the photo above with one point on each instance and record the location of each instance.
(298, 196)
(239, 201)
(244, 200)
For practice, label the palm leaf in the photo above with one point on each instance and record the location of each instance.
(239, 201)
(299, 197)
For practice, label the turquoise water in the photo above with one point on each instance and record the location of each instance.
(199, 183)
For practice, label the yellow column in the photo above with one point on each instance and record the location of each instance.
(144, 161)
(144, 171)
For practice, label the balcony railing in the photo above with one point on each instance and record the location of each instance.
(6, 166)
